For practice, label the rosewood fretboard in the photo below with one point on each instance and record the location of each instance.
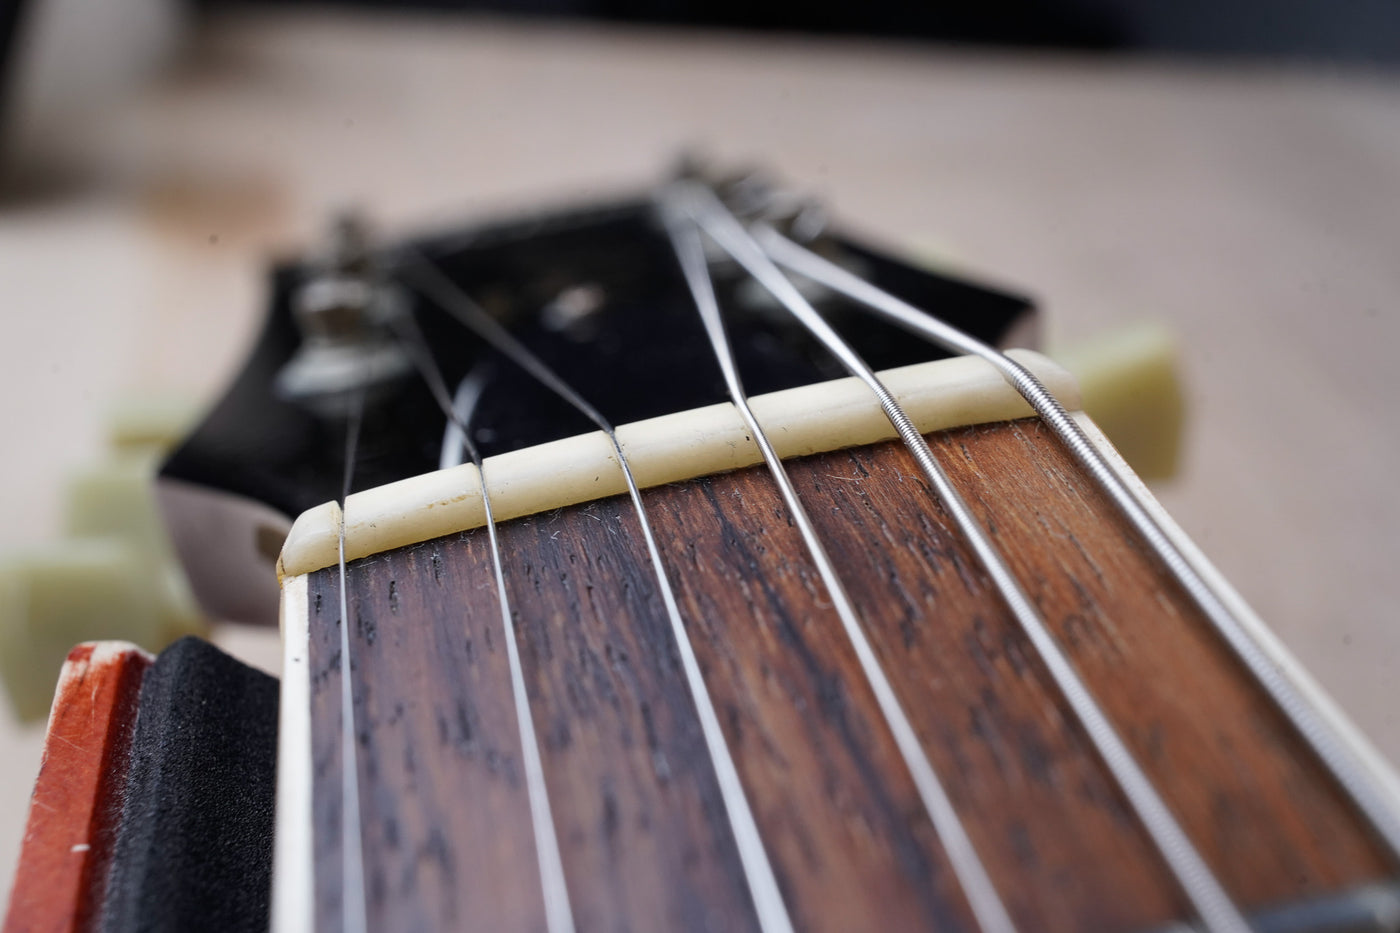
(644, 841)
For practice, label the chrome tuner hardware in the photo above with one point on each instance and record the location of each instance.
(752, 195)
(346, 312)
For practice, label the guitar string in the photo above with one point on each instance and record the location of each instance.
(1380, 809)
(459, 411)
(457, 446)
(421, 274)
(352, 858)
(1214, 906)
(986, 904)
(454, 451)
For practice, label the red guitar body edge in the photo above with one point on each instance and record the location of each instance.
(76, 805)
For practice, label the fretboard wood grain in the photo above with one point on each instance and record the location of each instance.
(642, 832)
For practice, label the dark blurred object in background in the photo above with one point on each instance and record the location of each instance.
(61, 61)
(58, 57)
(1366, 31)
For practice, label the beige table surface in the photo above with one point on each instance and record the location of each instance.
(1256, 210)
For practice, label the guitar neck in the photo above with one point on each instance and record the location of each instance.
(635, 792)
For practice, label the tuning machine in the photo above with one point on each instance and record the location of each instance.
(754, 197)
(346, 312)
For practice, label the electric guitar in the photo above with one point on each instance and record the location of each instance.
(682, 564)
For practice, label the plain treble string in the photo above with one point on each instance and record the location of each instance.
(352, 893)
(1216, 909)
(420, 273)
(464, 401)
(459, 410)
(981, 893)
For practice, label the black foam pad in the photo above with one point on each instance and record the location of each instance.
(194, 843)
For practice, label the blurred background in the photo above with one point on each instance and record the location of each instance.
(1231, 169)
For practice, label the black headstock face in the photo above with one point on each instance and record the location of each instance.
(598, 295)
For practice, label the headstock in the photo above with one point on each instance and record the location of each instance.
(593, 291)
